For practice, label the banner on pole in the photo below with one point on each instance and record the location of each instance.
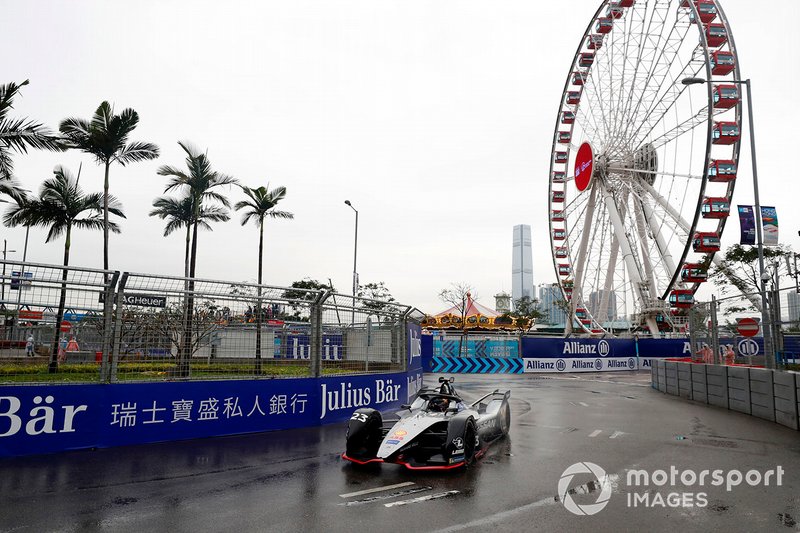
(769, 220)
(747, 224)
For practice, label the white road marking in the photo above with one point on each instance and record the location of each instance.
(496, 520)
(616, 434)
(584, 404)
(385, 495)
(422, 498)
(595, 433)
(376, 489)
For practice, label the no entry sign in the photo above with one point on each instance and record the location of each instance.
(584, 164)
(747, 327)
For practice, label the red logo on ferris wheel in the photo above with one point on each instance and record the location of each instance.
(584, 163)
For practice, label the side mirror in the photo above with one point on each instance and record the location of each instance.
(442, 379)
(452, 379)
(405, 406)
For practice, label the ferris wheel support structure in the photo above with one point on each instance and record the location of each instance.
(627, 251)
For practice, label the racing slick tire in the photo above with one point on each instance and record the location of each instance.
(471, 442)
(364, 434)
(505, 422)
(462, 441)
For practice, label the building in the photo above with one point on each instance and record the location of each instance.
(549, 298)
(522, 264)
(793, 301)
(595, 302)
(502, 302)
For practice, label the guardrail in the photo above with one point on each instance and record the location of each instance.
(769, 394)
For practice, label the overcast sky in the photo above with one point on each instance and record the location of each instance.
(434, 118)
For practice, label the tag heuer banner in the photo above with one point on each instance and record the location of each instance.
(769, 220)
(747, 223)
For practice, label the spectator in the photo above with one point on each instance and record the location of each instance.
(730, 356)
(62, 350)
(29, 346)
(72, 345)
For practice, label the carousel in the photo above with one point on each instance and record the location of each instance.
(474, 317)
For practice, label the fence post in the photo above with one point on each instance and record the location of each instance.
(404, 344)
(692, 331)
(108, 324)
(316, 334)
(714, 330)
(118, 326)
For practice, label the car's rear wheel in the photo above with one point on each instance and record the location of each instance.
(506, 421)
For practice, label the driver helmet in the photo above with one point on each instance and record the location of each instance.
(438, 404)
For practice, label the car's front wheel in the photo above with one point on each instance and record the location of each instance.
(471, 442)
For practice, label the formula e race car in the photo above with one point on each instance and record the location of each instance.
(437, 431)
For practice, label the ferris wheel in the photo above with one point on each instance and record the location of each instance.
(643, 167)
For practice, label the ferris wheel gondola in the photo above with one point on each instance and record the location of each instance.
(643, 167)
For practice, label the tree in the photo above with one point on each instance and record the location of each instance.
(62, 205)
(179, 213)
(260, 204)
(19, 134)
(526, 311)
(459, 296)
(105, 137)
(200, 183)
(377, 297)
(739, 271)
(303, 293)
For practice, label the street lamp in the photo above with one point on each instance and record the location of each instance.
(355, 256)
(769, 355)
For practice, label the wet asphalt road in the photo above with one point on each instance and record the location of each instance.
(294, 480)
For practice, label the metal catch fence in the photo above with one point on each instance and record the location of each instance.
(717, 336)
(133, 327)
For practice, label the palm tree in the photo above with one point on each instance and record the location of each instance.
(21, 133)
(180, 213)
(105, 137)
(199, 183)
(62, 205)
(260, 204)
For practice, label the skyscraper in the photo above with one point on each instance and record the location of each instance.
(549, 296)
(793, 300)
(522, 264)
(595, 303)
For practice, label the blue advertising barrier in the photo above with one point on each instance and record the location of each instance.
(49, 418)
(477, 365)
(559, 354)
(450, 347)
(426, 347)
(556, 354)
(46, 418)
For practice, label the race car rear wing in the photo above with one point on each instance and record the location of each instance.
(495, 395)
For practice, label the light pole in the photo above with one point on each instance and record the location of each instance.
(766, 327)
(355, 257)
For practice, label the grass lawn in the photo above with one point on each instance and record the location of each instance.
(155, 371)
